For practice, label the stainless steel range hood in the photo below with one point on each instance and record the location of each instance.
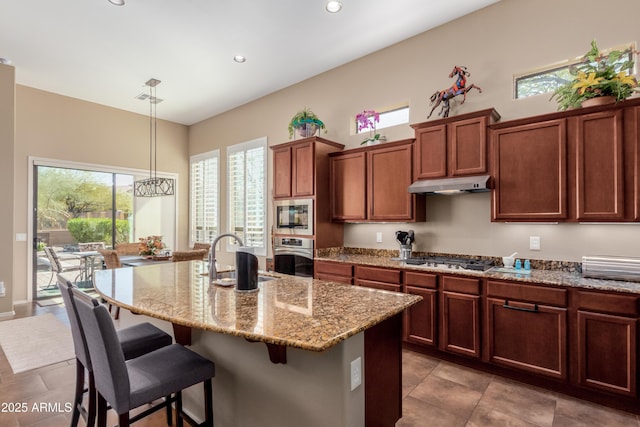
(470, 184)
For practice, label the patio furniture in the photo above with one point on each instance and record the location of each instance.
(131, 384)
(199, 254)
(60, 266)
(135, 341)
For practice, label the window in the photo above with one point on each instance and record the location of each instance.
(205, 197)
(246, 194)
(548, 79)
(398, 116)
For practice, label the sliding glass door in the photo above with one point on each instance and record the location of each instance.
(77, 211)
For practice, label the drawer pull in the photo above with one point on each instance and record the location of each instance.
(528, 310)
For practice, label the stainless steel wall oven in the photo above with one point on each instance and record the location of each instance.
(293, 255)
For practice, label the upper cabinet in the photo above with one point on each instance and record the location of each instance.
(455, 146)
(295, 163)
(370, 184)
(578, 165)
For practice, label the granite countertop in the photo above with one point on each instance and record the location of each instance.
(289, 311)
(553, 277)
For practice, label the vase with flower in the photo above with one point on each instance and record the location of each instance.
(150, 246)
(599, 79)
(367, 120)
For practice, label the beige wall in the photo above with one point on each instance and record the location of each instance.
(495, 43)
(7, 134)
(62, 128)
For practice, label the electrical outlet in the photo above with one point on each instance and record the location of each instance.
(356, 373)
(379, 237)
(2, 290)
(534, 243)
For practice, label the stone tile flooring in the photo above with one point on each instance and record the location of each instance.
(436, 393)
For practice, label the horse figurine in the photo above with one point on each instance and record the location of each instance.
(459, 88)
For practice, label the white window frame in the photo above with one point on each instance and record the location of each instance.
(388, 118)
(197, 158)
(233, 149)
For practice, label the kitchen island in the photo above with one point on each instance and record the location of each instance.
(317, 334)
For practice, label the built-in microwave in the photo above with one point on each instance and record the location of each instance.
(293, 216)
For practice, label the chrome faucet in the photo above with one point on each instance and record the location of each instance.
(213, 273)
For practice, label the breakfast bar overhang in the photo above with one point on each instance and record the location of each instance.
(321, 333)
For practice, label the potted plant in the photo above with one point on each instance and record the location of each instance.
(306, 123)
(598, 76)
(367, 120)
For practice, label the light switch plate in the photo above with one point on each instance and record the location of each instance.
(379, 237)
(356, 373)
(21, 237)
(534, 243)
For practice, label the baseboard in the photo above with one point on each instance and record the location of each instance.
(8, 313)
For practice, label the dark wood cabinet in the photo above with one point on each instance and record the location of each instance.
(455, 146)
(378, 278)
(526, 328)
(606, 342)
(370, 184)
(530, 172)
(632, 162)
(420, 323)
(599, 169)
(460, 316)
(294, 166)
(334, 271)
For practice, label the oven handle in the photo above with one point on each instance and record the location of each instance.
(291, 251)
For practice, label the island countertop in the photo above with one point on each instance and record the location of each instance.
(288, 311)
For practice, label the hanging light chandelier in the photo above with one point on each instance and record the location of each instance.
(153, 186)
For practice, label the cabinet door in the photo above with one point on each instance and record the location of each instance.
(388, 179)
(467, 148)
(530, 171)
(527, 336)
(348, 187)
(632, 162)
(460, 319)
(282, 172)
(420, 319)
(607, 352)
(431, 152)
(303, 169)
(599, 166)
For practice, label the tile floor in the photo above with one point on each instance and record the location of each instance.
(436, 393)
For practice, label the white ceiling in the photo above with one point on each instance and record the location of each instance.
(92, 50)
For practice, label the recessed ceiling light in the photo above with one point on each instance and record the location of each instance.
(116, 2)
(239, 59)
(333, 6)
(5, 61)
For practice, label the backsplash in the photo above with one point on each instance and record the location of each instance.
(536, 264)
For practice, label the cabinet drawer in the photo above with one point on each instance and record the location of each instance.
(378, 274)
(334, 268)
(607, 303)
(423, 280)
(461, 284)
(527, 293)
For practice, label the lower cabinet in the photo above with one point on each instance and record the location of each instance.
(606, 342)
(526, 328)
(340, 272)
(385, 279)
(420, 319)
(460, 316)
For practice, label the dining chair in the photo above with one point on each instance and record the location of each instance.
(58, 266)
(200, 245)
(134, 341)
(198, 254)
(131, 384)
(111, 261)
(127, 248)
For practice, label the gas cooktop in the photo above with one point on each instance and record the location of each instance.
(453, 263)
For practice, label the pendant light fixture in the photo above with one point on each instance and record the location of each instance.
(153, 186)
